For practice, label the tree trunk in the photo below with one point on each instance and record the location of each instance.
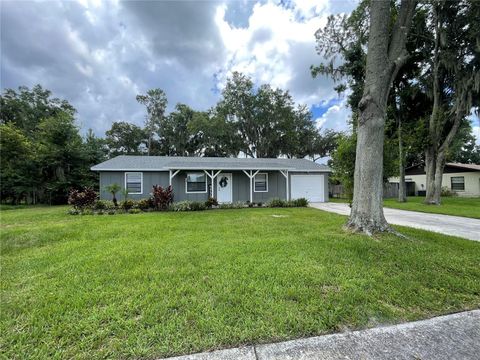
(440, 162)
(384, 58)
(433, 129)
(402, 188)
(430, 165)
(367, 206)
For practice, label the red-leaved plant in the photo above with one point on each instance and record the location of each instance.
(162, 197)
(82, 199)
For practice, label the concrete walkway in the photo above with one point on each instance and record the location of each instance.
(455, 336)
(449, 225)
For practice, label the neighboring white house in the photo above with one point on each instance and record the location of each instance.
(464, 179)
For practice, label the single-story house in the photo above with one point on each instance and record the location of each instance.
(464, 179)
(226, 179)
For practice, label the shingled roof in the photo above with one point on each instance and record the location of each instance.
(165, 163)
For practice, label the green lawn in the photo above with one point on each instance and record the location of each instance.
(458, 206)
(160, 284)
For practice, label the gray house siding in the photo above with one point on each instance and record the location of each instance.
(179, 188)
(150, 178)
(240, 183)
(277, 188)
(241, 187)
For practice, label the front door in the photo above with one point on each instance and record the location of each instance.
(224, 188)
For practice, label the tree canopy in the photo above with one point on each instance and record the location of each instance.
(44, 155)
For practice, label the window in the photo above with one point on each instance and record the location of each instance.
(196, 183)
(261, 182)
(458, 183)
(134, 182)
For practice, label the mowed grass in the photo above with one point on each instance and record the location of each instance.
(457, 206)
(160, 284)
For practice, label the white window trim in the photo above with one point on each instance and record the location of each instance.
(196, 192)
(141, 182)
(254, 183)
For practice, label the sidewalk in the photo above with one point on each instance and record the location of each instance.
(455, 336)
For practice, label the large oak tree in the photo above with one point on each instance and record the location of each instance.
(386, 55)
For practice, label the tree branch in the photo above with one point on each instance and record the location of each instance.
(460, 113)
(397, 52)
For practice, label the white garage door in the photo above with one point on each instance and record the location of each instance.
(310, 187)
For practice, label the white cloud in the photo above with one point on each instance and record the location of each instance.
(476, 133)
(278, 47)
(336, 118)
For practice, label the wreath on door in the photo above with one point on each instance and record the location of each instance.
(223, 182)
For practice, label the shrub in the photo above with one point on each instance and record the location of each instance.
(82, 199)
(127, 204)
(234, 205)
(180, 206)
(103, 205)
(73, 211)
(197, 206)
(111, 212)
(87, 212)
(146, 204)
(134, 211)
(446, 192)
(162, 197)
(301, 202)
(211, 202)
(238, 205)
(100, 212)
(259, 204)
(274, 203)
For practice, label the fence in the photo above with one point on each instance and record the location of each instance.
(390, 190)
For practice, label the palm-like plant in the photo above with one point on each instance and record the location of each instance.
(113, 189)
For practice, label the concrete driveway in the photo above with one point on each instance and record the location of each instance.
(449, 225)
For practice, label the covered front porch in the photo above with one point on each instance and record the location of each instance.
(230, 185)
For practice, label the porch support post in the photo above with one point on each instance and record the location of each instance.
(251, 186)
(285, 173)
(212, 175)
(171, 176)
(288, 186)
(251, 175)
